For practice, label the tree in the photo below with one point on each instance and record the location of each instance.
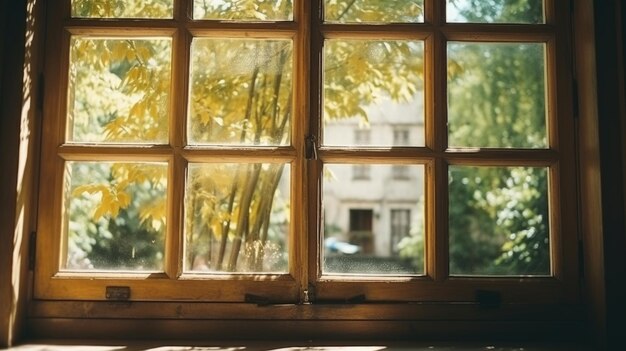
(498, 220)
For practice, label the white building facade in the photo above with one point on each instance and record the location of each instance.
(375, 206)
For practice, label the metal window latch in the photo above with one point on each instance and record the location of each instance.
(117, 293)
(306, 300)
(311, 147)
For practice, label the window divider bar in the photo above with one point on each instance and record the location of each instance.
(382, 31)
(437, 240)
(493, 33)
(121, 27)
(174, 248)
(314, 167)
(299, 252)
(435, 12)
(183, 10)
(248, 30)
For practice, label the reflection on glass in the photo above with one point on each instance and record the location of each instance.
(115, 216)
(373, 225)
(246, 10)
(241, 91)
(122, 8)
(372, 85)
(373, 11)
(497, 95)
(495, 11)
(119, 90)
(237, 218)
(498, 221)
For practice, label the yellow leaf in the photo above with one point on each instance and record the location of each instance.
(123, 199)
(144, 53)
(130, 54)
(119, 51)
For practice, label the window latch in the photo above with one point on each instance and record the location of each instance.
(311, 147)
(117, 293)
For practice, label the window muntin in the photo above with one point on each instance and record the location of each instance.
(430, 150)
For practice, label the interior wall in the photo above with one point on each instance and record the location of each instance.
(591, 225)
(611, 121)
(18, 144)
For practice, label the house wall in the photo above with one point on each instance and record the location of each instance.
(381, 191)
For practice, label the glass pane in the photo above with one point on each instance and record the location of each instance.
(237, 218)
(373, 11)
(241, 92)
(373, 224)
(495, 11)
(119, 90)
(247, 10)
(115, 216)
(497, 95)
(373, 87)
(122, 8)
(498, 221)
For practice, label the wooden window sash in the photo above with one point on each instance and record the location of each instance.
(308, 34)
(437, 284)
(172, 283)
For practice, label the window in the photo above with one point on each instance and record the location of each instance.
(190, 149)
(361, 137)
(361, 172)
(401, 137)
(400, 228)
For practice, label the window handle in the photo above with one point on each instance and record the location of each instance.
(311, 147)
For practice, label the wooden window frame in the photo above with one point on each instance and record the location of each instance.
(305, 281)
(172, 284)
(436, 156)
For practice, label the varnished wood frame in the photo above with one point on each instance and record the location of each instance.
(557, 158)
(436, 285)
(171, 284)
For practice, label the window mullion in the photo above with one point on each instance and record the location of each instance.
(177, 136)
(313, 130)
(437, 139)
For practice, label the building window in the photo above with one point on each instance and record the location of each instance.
(361, 172)
(400, 172)
(401, 137)
(189, 148)
(362, 137)
(400, 227)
